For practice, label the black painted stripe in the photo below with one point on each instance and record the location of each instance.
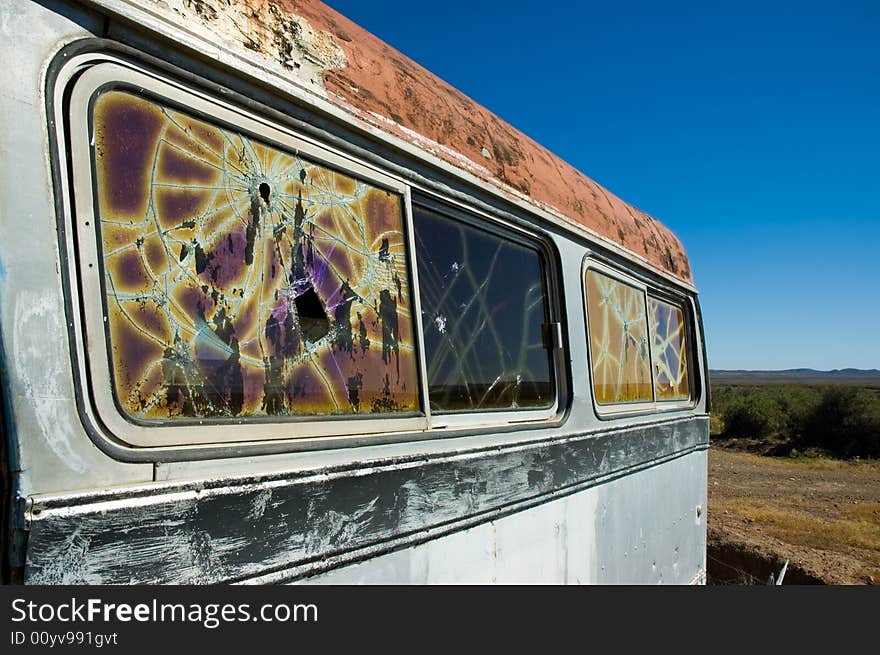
(226, 531)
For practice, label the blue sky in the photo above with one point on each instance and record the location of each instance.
(751, 129)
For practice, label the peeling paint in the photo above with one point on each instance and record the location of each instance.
(226, 530)
(326, 53)
(378, 80)
(69, 562)
(261, 501)
(286, 39)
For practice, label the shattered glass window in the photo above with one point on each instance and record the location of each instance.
(242, 280)
(484, 305)
(668, 350)
(618, 340)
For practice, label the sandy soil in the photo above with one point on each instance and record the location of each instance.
(821, 515)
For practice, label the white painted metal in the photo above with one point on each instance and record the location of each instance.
(58, 454)
(610, 534)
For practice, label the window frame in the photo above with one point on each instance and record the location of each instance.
(689, 349)
(87, 287)
(606, 411)
(482, 221)
(78, 85)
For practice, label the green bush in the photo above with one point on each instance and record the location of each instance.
(750, 412)
(756, 416)
(844, 421)
(716, 424)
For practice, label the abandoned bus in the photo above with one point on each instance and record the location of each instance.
(279, 305)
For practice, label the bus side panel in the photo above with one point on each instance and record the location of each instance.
(609, 534)
(50, 450)
(288, 526)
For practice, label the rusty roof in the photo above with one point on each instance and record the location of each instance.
(366, 77)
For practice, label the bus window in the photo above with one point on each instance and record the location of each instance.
(617, 323)
(484, 305)
(669, 350)
(241, 280)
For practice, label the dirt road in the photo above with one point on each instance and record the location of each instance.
(821, 515)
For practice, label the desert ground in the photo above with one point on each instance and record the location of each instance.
(822, 515)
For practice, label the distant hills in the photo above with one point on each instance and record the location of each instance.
(865, 377)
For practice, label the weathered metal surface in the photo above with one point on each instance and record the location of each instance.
(331, 56)
(569, 540)
(660, 535)
(222, 530)
(54, 452)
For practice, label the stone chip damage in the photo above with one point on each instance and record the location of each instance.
(329, 55)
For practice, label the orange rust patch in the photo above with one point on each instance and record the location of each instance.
(378, 79)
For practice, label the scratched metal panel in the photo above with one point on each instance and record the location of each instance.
(611, 533)
(553, 543)
(274, 528)
(658, 534)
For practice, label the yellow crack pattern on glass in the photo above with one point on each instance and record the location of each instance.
(618, 340)
(241, 280)
(668, 351)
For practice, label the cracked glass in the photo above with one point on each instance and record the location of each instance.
(668, 350)
(484, 305)
(241, 280)
(619, 351)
